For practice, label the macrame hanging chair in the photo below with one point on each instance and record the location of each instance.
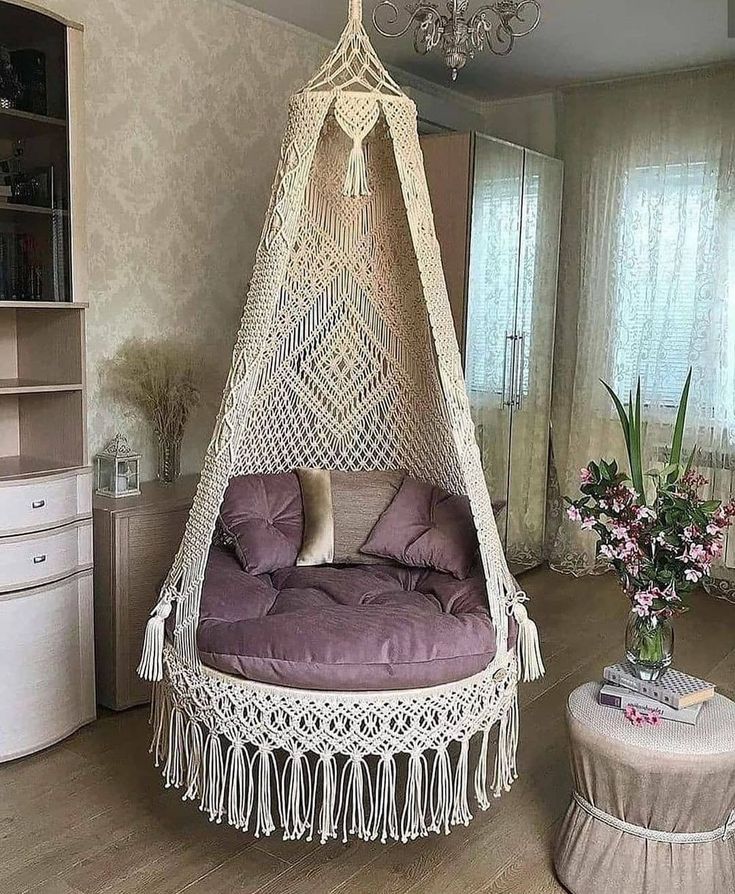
(346, 359)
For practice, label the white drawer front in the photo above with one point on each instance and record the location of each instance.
(44, 502)
(46, 665)
(34, 559)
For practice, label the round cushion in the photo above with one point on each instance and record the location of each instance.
(670, 778)
(365, 627)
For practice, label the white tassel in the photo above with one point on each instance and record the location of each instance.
(151, 661)
(352, 791)
(173, 772)
(356, 179)
(440, 791)
(159, 706)
(194, 760)
(481, 772)
(239, 791)
(385, 820)
(413, 820)
(461, 808)
(212, 778)
(264, 817)
(530, 662)
(327, 818)
(505, 761)
(296, 796)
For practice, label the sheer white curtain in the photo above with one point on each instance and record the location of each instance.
(647, 282)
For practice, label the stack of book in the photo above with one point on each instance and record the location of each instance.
(676, 696)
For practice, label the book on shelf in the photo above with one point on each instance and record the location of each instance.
(621, 698)
(21, 271)
(675, 688)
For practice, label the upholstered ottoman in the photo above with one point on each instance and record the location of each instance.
(653, 808)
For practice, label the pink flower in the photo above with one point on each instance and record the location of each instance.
(643, 512)
(645, 598)
(585, 476)
(692, 574)
(653, 718)
(588, 524)
(642, 611)
(574, 514)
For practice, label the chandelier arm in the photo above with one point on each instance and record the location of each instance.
(506, 11)
(421, 15)
(498, 36)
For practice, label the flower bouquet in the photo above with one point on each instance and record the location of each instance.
(660, 549)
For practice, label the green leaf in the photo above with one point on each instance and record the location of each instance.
(710, 506)
(690, 461)
(680, 422)
(636, 447)
(621, 413)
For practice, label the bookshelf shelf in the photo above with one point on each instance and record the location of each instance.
(43, 305)
(22, 467)
(12, 207)
(33, 386)
(19, 125)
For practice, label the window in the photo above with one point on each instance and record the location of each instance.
(665, 291)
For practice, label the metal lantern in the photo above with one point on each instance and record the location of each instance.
(118, 469)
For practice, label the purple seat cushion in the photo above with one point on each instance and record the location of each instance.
(264, 518)
(364, 627)
(425, 527)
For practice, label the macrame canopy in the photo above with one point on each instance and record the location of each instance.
(346, 359)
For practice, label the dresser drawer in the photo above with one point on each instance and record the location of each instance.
(41, 503)
(46, 665)
(31, 560)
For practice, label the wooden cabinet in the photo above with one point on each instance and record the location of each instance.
(46, 623)
(135, 541)
(497, 210)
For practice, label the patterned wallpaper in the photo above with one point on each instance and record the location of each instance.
(185, 107)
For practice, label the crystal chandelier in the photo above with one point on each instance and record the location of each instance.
(493, 27)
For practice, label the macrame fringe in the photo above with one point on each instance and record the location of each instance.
(310, 796)
(151, 661)
(530, 663)
(505, 760)
(356, 179)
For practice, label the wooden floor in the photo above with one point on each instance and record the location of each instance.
(91, 816)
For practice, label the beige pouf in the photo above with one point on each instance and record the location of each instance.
(653, 810)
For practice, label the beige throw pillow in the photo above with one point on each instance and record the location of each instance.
(340, 511)
(317, 546)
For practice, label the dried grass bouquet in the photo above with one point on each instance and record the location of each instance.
(160, 380)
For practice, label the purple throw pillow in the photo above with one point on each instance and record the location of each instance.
(425, 527)
(264, 517)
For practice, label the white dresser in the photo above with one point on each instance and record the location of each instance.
(46, 610)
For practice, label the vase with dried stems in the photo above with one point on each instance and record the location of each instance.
(158, 379)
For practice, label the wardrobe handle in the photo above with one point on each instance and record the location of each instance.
(519, 374)
(39, 560)
(507, 401)
(38, 504)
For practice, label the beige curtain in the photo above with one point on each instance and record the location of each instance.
(647, 282)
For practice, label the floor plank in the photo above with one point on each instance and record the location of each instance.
(90, 816)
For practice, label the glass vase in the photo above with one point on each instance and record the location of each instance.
(649, 646)
(169, 459)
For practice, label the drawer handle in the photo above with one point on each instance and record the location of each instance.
(39, 560)
(38, 504)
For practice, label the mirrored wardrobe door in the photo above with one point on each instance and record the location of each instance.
(491, 307)
(531, 387)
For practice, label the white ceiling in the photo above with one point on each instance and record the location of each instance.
(577, 40)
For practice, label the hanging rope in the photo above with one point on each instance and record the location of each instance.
(356, 10)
